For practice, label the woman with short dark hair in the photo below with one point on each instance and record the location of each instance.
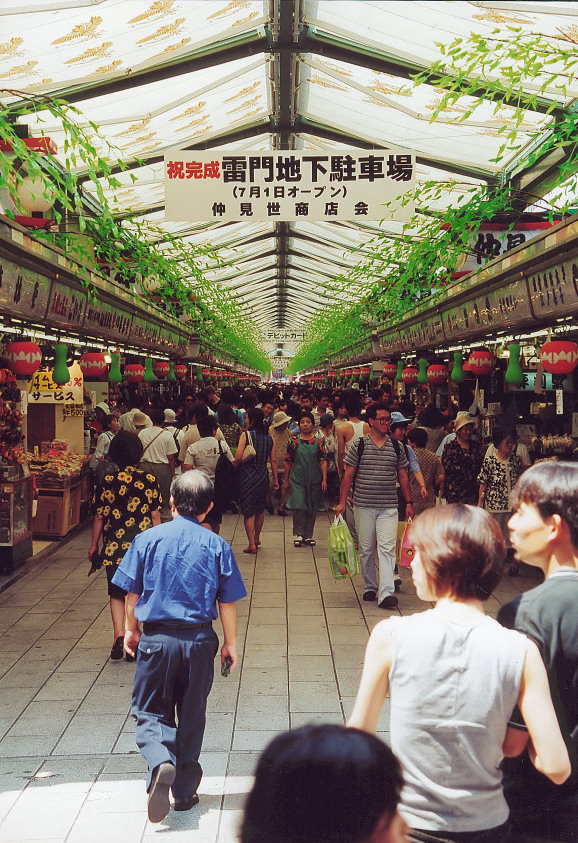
(128, 503)
(454, 676)
(254, 477)
(323, 783)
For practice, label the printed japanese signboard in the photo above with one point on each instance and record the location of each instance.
(23, 292)
(288, 185)
(43, 390)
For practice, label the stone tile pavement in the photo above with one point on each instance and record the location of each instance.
(69, 768)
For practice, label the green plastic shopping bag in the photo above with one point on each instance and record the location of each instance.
(342, 552)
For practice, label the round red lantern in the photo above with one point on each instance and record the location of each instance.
(409, 376)
(134, 372)
(365, 372)
(161, 368)
(481, 362)
(437, 373)
(24, 358)
(93, 365)
(355, 373)
(389, 371)
(180, 371)
(559, 357)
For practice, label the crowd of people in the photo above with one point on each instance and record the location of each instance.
(484, 712)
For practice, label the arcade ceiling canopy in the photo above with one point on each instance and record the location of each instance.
(267, 75)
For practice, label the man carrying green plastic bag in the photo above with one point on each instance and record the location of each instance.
(341, 549)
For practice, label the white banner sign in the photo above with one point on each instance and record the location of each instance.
(287, 185)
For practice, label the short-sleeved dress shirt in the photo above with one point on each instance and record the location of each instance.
(180, 569)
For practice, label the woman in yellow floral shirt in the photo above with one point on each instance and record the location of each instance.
(129, 503)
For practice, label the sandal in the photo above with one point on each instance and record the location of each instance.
(310, 542)
(297, 541)
(250, 549)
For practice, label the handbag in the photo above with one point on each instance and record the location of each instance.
(341, 550)
(249, 453)
(407, 551)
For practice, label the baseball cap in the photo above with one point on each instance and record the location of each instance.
(170, 416)
(102, 405)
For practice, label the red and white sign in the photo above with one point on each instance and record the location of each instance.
(236, 185)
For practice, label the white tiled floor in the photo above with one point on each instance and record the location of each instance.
(69, 768)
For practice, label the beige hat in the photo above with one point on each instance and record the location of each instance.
(139, 420)
(462, 419)
(170, 416)
(280, 418)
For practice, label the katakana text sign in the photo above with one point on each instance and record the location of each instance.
(287, 185)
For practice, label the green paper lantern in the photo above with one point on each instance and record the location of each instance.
(422, 370)
(458, 375)
(171, 375)
(398, 375)
(199, 374)
(60, 375)
(114, 373)
(149, 375)
(514, 373)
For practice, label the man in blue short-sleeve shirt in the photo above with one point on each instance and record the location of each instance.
(175, 575)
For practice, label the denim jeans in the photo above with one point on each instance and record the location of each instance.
(377, 526)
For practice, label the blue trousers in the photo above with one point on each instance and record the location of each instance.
(173, 677)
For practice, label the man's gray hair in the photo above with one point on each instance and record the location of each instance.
(192, 493)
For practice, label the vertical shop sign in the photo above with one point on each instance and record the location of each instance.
(559, 402)
(234, 185)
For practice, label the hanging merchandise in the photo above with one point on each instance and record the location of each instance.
(60, 375)
(24, 358)
(389, 371)
(114, 375)
(398, 374)
(481, 362)
(134, 372)
(180, 371)
(161, 368)
(93, 365)
(559, 357)
(199, 374)
(409, 376)
(422, 370)
(458, 375)
(149, 375)
(171, 373)
(355, 373)
(514, 374)
(365, 372)
(437, 373)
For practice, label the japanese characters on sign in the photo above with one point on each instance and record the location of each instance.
(23, 292)
(43, 390)
(236, 185)
(492, 241)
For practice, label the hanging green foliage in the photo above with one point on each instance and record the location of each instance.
(161, 267)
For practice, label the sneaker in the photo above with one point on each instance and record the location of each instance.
(297, 541)
(310, 542)
(369, 596)
(389, 602)
(158, 800)
(397, 582)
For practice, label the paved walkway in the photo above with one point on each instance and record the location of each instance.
(69, 768)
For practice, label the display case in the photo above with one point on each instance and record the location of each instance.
(16, 497)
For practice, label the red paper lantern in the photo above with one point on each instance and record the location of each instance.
(409, 376)
(24, 358)
(481, 362)
(180, 371)
(332, 374)
(389, 371)
(161, 368)
(559, 357)
(437, 373)
(355, 373)
(134, 372)
(365, 372)
(93, 365)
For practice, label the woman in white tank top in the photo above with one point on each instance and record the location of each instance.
(454, 676)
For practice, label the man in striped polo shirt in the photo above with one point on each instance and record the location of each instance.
(376, 466)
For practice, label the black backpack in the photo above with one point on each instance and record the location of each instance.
(361, 448)
(225, 481)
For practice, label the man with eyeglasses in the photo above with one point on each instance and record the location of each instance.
(373, 469)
